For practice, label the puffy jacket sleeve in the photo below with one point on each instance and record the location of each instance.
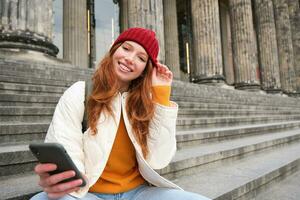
(162, 139)
(66, 127)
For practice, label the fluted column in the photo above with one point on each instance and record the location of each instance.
(124, 18)
(244, 45)
(75, 32)
(171, 37)
(27, 24)
(207, 42)
(147, 14)
(226, 44)
(294, 14)
(267, 44)
(285, 46)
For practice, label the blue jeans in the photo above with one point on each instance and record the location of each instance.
(143, 192)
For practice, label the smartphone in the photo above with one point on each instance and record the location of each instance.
(56, 153)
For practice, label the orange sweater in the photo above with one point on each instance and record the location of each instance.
(121, 172)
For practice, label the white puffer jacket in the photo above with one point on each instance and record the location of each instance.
(91, 152)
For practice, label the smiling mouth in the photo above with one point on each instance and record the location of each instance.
(124, 68)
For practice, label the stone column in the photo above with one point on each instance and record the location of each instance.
(267, 44)
(124, 18)
(147, 14)
(294, 14)
(226, 43)
(75, 36)
(171, 37)
(207, 42)
(27, 24)
(244, 45)
(92, 62)
(285, 46)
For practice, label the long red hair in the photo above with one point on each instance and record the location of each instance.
(105, 88)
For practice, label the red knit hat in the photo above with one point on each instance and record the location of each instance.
(145, 37)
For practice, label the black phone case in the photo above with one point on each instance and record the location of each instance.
(55, 153)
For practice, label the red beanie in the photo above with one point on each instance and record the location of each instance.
(145, 37)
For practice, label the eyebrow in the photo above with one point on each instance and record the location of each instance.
(144, 54)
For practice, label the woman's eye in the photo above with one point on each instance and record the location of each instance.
(125, 48)
(142, 59)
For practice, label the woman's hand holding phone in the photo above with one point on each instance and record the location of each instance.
(58, 174)
(52, 184)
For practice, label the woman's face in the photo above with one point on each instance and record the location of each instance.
(129, 61)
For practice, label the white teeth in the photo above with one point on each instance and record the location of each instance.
(124, 68)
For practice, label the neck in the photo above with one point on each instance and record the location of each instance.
(123, 88)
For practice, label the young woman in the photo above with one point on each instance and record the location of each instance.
(131, 128)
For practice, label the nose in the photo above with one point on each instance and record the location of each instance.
(129, 58)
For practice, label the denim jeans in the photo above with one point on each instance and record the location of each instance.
(143, 192)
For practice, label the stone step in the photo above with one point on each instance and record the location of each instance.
(16, 88)
(284, 188)
(36, 81)
(40, 79)
(16, 132)
(26, 114)
(237, 177)
(19, 187)
(185, 158)
(44, 71)
(57, 71)
(51, 100)
(191, 157)
(204, 122)
(8, 181)
(28, 100)
(56, 75)
(211, 176)
(65, 83)
(231, 112)
(62, 70)
(12, 132)
(233, 99)
(35, 114)
(196, 92)
(222, 105)
(16, 159)
(198, 103)
(196, 137)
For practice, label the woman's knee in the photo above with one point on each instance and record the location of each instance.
(40, 196)
(184, 195)
(44, 196)
(156, 193)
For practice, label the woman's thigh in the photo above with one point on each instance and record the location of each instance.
(157, 193)
(43, 196)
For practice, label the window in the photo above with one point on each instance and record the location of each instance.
(107, 25)
(185, 34)
(58, 26)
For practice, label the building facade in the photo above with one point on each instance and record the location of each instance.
(247, 44)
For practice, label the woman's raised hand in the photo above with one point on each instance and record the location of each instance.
(161, 75)
(50, 183)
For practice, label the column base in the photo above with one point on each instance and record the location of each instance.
(273, 91)
(26, 55)
(296, 95)
(29, 41)
(248, 87)
(208, 80)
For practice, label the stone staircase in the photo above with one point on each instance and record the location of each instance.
(231, 144)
